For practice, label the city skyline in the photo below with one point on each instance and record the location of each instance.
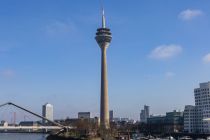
(48, 53)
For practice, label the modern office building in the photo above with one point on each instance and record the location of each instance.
(156, 119)
(174, 121)
(47, 112)
(103, 38)
(84, 115)
(190, 119)
(196, 118)
(144, 115)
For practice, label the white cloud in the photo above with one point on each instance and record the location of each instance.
(169, 74)
(7, 73)
(206, 58)
(189, 14)
(165, 51)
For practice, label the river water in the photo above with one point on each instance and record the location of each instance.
(22, 136)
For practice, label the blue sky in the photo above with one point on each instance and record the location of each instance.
(159, 53)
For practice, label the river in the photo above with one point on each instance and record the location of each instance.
(22, 136)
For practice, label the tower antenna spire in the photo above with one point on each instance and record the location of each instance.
(103, 19)
(103, 15)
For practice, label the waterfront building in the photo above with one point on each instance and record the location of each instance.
(196, 117)
(171, 122)
(159, 119)
(103, 38)
(144, 115)
(174, 121)
(84, 115)
(47, 112)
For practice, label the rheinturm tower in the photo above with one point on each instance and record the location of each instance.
(103, 38)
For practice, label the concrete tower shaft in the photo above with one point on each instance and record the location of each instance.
(103, 38)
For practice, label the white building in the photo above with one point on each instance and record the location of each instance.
(195, 117)
(47, 112)
(144, 114)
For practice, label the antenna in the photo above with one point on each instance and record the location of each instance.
(103, 15)
(103, 19)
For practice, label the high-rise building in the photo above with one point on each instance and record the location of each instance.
(195, 117)
(84, 115)
(47, 112)
(103, 38)
(144, 115)
(111, 115)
